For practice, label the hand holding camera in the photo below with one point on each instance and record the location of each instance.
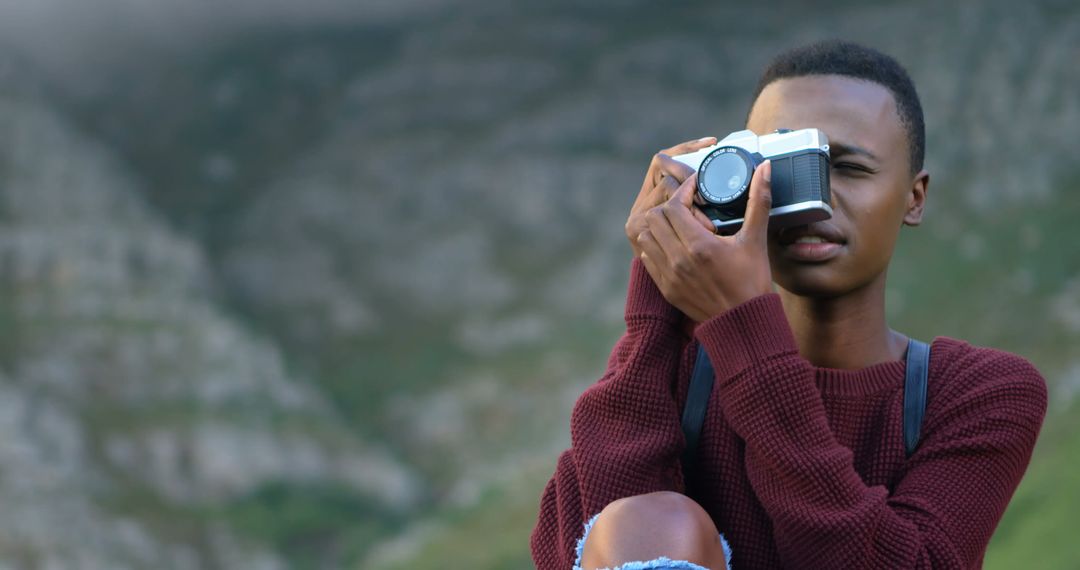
(661, 181)
(742, 185)
(701, 273)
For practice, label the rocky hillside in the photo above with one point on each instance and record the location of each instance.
(133, 405)
(323, 295)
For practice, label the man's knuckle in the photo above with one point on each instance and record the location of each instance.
(682, 265)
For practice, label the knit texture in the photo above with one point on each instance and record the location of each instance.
(799, 466)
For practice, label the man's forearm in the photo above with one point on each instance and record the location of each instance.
(625, 428)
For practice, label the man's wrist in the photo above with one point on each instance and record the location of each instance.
(745, 334)
(644, 299)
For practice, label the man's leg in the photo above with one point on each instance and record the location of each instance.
(646, 527)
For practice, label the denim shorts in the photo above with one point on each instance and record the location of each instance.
(662, 563)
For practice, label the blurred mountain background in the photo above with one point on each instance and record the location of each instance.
(315, 284)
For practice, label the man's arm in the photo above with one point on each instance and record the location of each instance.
(625, 429)
(974, 452)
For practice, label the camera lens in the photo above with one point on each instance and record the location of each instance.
(725, 175)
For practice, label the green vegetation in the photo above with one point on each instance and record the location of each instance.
(493, 533)
(1038, 530)
(315, 526)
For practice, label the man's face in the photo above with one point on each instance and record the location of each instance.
(871, 181)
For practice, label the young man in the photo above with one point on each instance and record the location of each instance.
(801, 461)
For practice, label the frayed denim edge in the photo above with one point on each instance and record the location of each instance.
(662, 562)
(581, 541)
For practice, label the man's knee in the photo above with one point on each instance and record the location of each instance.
(645, 527)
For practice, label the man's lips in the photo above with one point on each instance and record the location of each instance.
(816, 242)
(824, 230)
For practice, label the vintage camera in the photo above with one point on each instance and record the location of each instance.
(800, 177)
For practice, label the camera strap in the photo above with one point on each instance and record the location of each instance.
(701, 384)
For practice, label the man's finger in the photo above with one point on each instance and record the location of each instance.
(667, 186)
(650, 194)
(756, 222)
(673, 168)
(704, 220)
(686, 191)
(689, 146)
(653, 174)
(665, 235)
(679, 211)
(652, 254)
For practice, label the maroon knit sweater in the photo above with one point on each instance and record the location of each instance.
(801, 467)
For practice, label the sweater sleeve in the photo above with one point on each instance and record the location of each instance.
(942, 513)
(625, 433)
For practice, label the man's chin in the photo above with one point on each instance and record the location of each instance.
(810, 281)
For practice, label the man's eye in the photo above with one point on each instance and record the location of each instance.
(851, 167)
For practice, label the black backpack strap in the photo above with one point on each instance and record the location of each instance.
(697, 402)
(918, 368)
(701, 384)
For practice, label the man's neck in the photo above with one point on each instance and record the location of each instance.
(847, 332)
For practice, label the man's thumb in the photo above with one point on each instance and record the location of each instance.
(756, 221)
(687, 191)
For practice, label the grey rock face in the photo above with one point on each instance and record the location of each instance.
(119, 372)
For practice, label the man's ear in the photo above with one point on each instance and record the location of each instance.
(917, 199)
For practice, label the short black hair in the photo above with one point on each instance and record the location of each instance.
(837, 57)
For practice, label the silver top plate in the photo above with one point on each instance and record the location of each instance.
(773, 144)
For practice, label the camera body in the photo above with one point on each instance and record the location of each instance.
(799, 181)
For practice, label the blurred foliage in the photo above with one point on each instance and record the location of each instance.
(315, 526)
(1037, 529)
